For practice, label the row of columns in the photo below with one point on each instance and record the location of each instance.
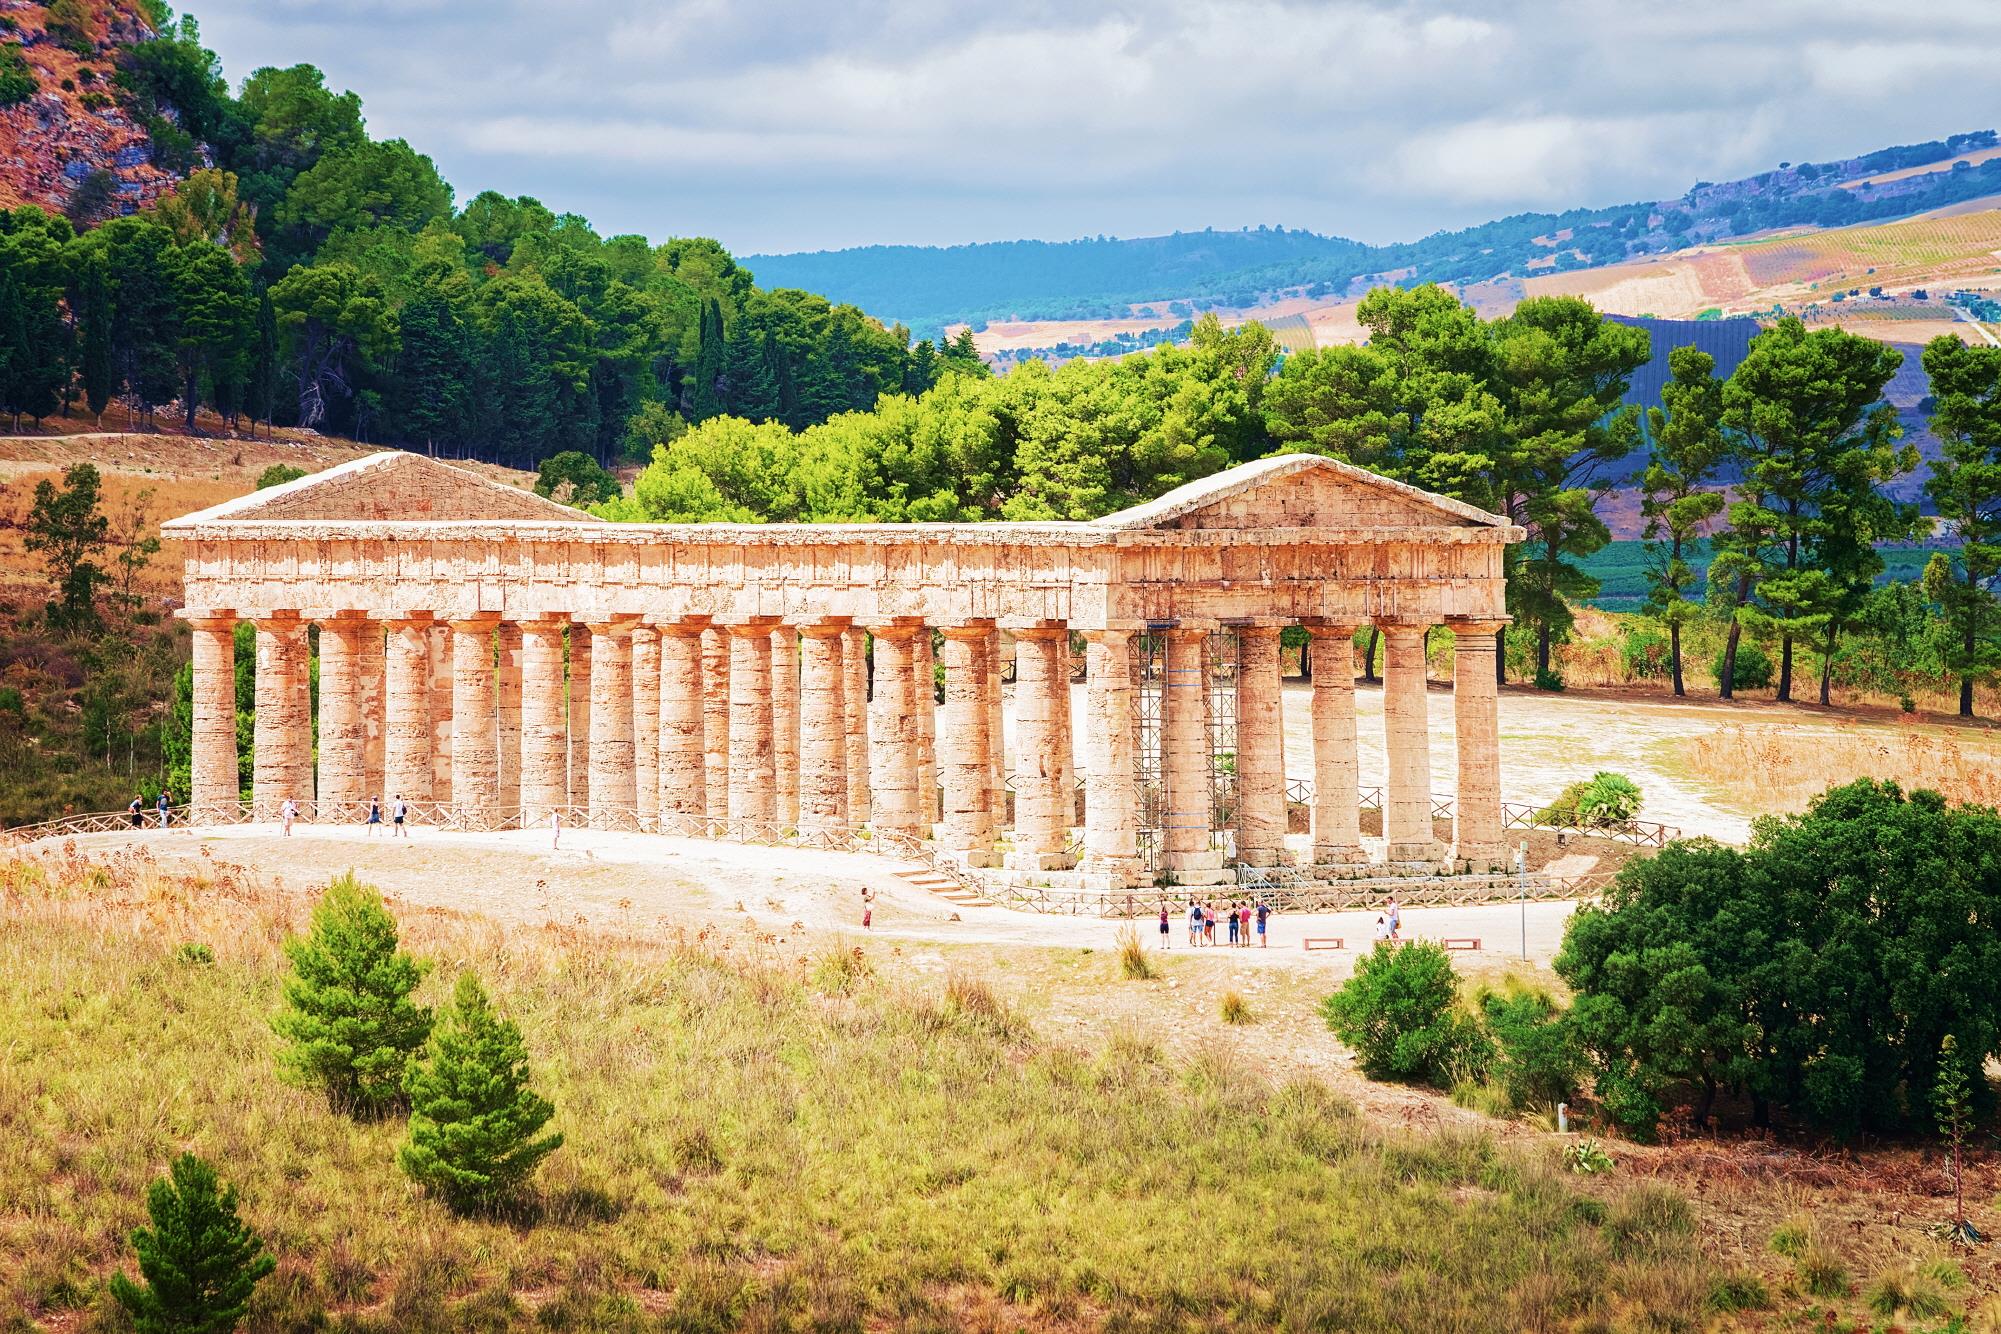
(768, 726)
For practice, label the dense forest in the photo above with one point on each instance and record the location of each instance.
(305, 274)
(929, 287)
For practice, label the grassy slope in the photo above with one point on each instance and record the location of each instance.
(746, 1148)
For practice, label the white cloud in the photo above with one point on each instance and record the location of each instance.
(793, 125)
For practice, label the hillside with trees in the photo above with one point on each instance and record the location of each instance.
(931, 287)
(302, 273)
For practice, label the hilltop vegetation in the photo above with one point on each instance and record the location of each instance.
(929, 287)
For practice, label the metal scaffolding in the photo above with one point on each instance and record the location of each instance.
(1219, 670)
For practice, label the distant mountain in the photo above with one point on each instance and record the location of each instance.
(929, 287)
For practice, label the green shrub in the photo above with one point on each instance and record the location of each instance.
(1236, 1010)
(1400, 1013)
(1588, 1158)
(1753, 667)
(1483, 1096)
(199, 1262)
(1644, 650)
(1742, 1291)
(840, 970)
(194, 952)
(473, 1118)
(278, 474)
(1537, 1057)
(1548, 679)
(349, 1024)
(17, 81)
(1791, 1238)
(1134, 962)
(1821, 1272)
(1907, 1292)
(1596, 802)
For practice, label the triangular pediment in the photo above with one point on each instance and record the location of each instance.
(389, 487)
(1300, 491)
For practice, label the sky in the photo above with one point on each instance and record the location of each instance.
(780, 127)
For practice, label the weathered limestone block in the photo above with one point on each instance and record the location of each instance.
(612, 792)
(925, 667)
(213, 761)
(683, 730)
(753, 791)
(855, 699)
(507, 729)
(343, 737)
(407, 743)
(1337, 780)
(1110, 811)
(441, 711)
(580, 716)
(1187, 780)
(1260, 807)
(716, 720)
(892, 732)
(785, 721)
(545, 729)
(282, 740)
(475, 734)
(965, 739)
(1041, 689)
(994, 654)
(1476, 717)
(1407, 746)
(370, 668)
(823, 728)
(646, 721)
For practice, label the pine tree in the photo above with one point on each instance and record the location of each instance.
(752, 392)
(100, 372)
(261, 393)
(349, 1022)
(1686, 440)
(703, 396)
(199, 1261)
(1965, 485)
(473, 1118)
(1952, 1105)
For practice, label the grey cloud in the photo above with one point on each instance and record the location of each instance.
(801, 125)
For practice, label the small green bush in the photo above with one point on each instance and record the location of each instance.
(1821, 1272)
(17, 81)
(1538, 1059)
(1400, 1013)
(1236, 1010)
(278, 474)
(194, 952)
(1548, 679)
(473, 1118)
(198, 1260)
(1741, 1291)
(1597, 802)
(1754, 667)
(1588, 1158)
(1483, 1096)
(1644, 650)
(1791, 1238)
(840, 970)
(349, 1024)
(1907, 1292)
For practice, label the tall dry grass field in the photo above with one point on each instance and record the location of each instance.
(1778, 767)
(749, 1147)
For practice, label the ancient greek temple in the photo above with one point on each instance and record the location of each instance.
(492, 655)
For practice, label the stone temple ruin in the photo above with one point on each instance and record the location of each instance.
(500, 661)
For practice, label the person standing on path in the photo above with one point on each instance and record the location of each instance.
(868, 908)
(1209, 924)
(134, 810)
(1233, 925)
(288, 813)
(374, 816)
(164, 806)
(1264, 912)
(397, 812)
(555, 830)
(1395, 915)
(1194, 923)
(1163, 924)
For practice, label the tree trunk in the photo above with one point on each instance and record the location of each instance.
(1500, 657)
(1704, 1103)
(1786, 668)
(1542, 653)
(1726, 688)
(1674, 656)
(189, 396)
(1306, 659)
(1826, 671)
(1369, 664)
(1971, 643)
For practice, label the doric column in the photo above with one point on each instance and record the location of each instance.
(343, 742)
(1406, 746)
(407, 740)
(683, 733)
(1260, 812)
(965, 743)
(580, 716)
(282, 742)
(716, 721)
(369, 669)
(214, 782)
(612, 795)
(507, 716)
(892, 732)
(1188, 795)
(1065, 742)
(1337, 781)
(1041, 689)
(854, 698)
(753, 793)
(475, 744)
(996, 731)
(545, 728)
(1476, 718)
(924, 667)
(646, 722)
(441, 711)
(823, 728)
(1111, 824)
(785, 722)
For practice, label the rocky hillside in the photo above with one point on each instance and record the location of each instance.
(57, 136)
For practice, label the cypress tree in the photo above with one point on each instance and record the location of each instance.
(473, 1118)
(100, 371)
(15, 353)
(711, 355)
(348, 1020)
(262, 390)
(753, 393)
(199, 1261)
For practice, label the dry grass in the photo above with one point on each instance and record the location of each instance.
(1781, 768)
(744, 1149)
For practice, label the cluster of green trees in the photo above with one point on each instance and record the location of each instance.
(314, 276)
